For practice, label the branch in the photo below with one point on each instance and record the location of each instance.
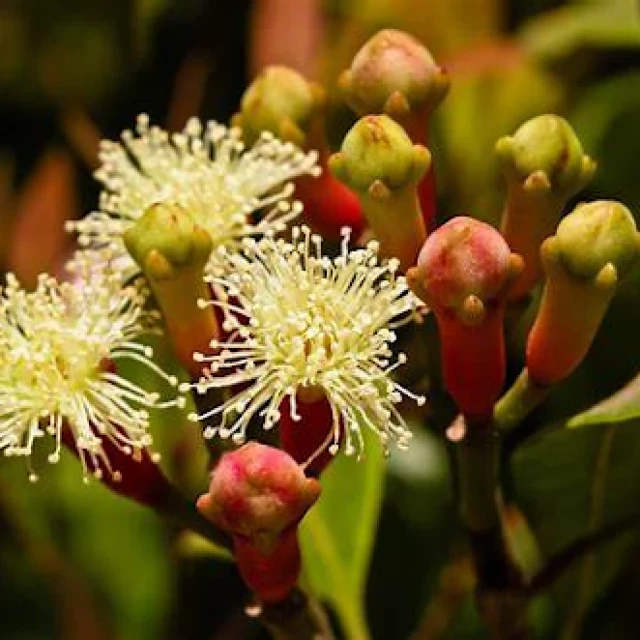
(298, 617)
(561, 561)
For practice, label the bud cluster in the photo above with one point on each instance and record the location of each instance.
(297, 329)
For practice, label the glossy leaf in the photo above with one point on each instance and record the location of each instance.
(598, 25)
(338, 533)
(120, 547)
(573, 482)
(621, 406)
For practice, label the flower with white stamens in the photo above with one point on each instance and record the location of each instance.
(230, 190)
(59, 350)
(309, 323)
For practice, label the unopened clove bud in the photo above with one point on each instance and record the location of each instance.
(172, 252)
(258, 494)
(593, 248)
(380, 163)
(544, 166)
(463, 273)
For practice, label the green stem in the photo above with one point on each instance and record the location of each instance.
(183, 512)
(298, 617)
(500, 594)
(516, 404)
(396, 219)
(478, 457)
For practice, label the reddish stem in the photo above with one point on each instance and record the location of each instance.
(329, 205)
(302, 439)
(417, 126)
(473, 361)
(135, 476)
(273, 575)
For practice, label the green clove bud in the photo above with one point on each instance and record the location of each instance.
(594, 247)
(544, 166)
(172, 252)
(281, 101)
(381, 164)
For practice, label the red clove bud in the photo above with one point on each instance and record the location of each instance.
(259, 494)
(463, 272)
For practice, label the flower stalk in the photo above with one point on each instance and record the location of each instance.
(309, 438)
(500, 593)
(298, 617)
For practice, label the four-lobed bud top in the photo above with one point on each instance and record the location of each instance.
(463, 258)
(595, 235)
(378, 150)
(166, 237)
(393, 73)
(279, 100)
(547, 155)
(257, 492)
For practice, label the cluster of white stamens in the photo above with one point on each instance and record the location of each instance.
(298, 320)
(208, 171)
(59, 347)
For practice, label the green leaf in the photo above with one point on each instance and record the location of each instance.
(337, 535)
(605, 117)
(558, 34)
(621, 406)
(120, 547)
(573, 482)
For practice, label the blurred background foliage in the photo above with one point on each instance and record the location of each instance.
(77, 562)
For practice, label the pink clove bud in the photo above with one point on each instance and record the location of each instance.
(258, 494)
(393, 73)
(463, 271)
